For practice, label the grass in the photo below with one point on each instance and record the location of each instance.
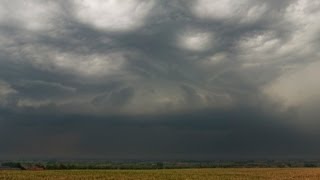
(180, 174)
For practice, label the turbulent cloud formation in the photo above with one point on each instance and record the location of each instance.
(113, 15)
(203, 79)
(195, 41)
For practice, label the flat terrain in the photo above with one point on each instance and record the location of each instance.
(205, 174)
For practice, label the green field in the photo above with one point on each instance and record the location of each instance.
(205, 174)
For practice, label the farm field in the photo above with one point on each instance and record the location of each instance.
(180, 174)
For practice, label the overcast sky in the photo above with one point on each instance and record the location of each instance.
(159, 79)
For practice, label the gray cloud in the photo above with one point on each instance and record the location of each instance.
(245, 69)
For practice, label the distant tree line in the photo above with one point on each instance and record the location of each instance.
(56, 165)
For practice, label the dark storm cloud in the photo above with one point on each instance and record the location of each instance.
(237, 133)
(161, 78)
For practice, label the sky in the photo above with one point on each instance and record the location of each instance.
(159, 79)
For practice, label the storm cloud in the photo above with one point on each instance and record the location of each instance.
(166, 79)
